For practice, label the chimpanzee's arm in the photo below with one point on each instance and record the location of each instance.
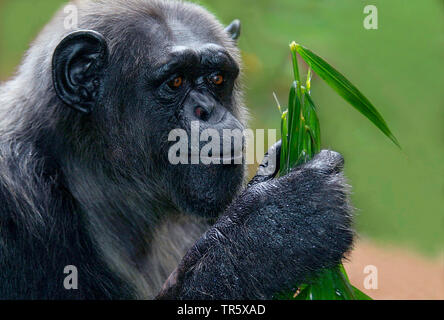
(274, 235)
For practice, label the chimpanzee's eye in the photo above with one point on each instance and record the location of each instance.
(217, 79)
(176, 83)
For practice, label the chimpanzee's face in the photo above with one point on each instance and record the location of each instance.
(176, 103)
(164, 93)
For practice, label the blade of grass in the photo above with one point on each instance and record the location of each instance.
(361, 295)
(300, 142)
(293, 118)
(329, 285)
(298, 136)
(313, 124)
(284, 145)
(345, 89)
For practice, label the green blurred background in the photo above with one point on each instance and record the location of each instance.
(400, 67)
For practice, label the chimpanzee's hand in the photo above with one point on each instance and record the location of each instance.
(274, 235)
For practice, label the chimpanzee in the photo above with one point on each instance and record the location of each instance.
(85, 179)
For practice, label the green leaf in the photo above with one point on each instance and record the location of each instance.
(360, 295)
(345, 89)
(329, 285)
(304, 294)
(294, 108)
(284, 146)
(312, 121)
(301, 140)
(298, 136)
(342, 284)
(294, 58)
(342, 269)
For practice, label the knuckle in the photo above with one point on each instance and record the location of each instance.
(329, 160)
(336, 157)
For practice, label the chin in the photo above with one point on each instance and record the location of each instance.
(206, 190)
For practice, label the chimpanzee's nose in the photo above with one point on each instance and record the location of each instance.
(204, 108)
(203, 111)
(201, 106)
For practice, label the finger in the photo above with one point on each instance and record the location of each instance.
(269, 167)
(327, 161)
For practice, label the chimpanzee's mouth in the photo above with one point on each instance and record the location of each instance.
(233, 158)
(226, 160)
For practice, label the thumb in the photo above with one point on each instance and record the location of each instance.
(269, 167)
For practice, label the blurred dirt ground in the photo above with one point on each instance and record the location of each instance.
(401, 273)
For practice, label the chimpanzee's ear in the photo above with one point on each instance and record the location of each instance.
(234, 29)
(78, 66)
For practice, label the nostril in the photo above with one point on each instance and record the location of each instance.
(202, 113)
(198, 112)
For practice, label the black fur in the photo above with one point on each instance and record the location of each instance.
(276, 234)
(91, 185)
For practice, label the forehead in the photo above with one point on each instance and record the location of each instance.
(150, 37)
(177, 38)
(187, 34)
(198, 50)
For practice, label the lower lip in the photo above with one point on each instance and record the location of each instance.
(216, 160)
(223, 160)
